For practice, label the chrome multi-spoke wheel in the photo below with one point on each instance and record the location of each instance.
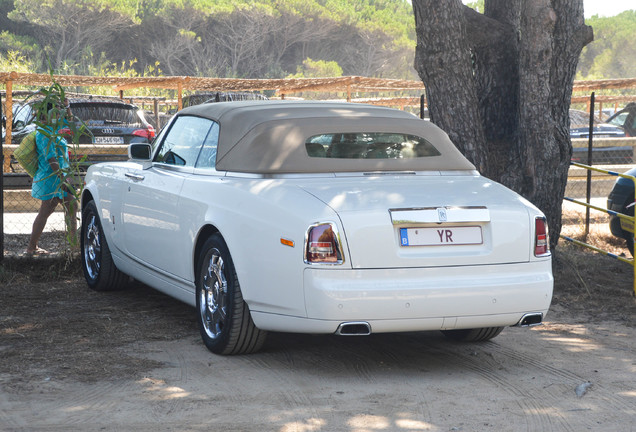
(92, 249)
(100, 272)
(213, 295)
(224, 319)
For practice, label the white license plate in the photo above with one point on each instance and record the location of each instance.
(109, 140)
(441, 236)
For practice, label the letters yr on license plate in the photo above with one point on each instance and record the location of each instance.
(441, 236)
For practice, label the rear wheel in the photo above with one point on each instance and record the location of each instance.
(473, 335)
(100, 271)
(223, 317)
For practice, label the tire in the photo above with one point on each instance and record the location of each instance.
(473, 335)
(223, 317)
(100, 272)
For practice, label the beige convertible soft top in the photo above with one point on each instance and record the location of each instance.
(269, 136)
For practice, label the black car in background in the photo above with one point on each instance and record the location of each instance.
(22, 123)
(621, 200)
(108, 122)
(579, 128)
(112, 122)
(625, 119)
(208, 97)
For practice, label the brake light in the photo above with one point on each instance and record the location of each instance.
(541, 241)
(322, 245)
(148, 133)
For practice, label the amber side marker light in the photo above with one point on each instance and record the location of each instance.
(286, 242)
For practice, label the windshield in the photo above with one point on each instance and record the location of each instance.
(23, 113)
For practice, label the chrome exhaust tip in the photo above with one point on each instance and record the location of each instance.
(357, 328)
(530, 320)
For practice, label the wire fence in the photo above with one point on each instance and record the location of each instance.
(613, 154)
(626, 222)
(20, 209)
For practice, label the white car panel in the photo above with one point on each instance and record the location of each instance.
(415, 293)
(373, 238)
(151, 219)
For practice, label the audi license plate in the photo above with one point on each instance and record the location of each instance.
(441, 236)
(109, 140)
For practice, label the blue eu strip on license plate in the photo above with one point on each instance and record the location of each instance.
(404, 237)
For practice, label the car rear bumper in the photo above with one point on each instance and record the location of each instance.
(395, 300)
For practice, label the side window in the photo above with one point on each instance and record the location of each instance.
(183, 141)
(619, 120)
(207, 157)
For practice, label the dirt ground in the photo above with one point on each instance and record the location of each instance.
(72, 359)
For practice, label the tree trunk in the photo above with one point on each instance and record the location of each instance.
(499, 84)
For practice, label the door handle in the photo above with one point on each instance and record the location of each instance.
(135, 177)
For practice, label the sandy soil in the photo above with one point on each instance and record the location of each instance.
(72, 359)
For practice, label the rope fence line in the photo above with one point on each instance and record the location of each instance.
(628, 219)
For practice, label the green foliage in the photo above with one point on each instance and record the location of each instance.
(317, 69)
(15, 62)
(24, 47)
(211, 37)
(241, 38)
(612, 54)
(477, 5)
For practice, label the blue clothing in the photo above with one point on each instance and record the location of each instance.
(46, 183)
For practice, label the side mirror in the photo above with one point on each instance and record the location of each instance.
(141, 153)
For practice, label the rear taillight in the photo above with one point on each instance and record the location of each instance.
(148, 133)
(541, 241)
(322, 245)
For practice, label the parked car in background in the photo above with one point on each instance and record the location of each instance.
(22, 123)
(315, 217)
(625, 119)
(621, 200)
(208, 97)
(108, 122)
(579, 128)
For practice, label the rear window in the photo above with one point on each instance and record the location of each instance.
(108, 113)
(369, 145)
